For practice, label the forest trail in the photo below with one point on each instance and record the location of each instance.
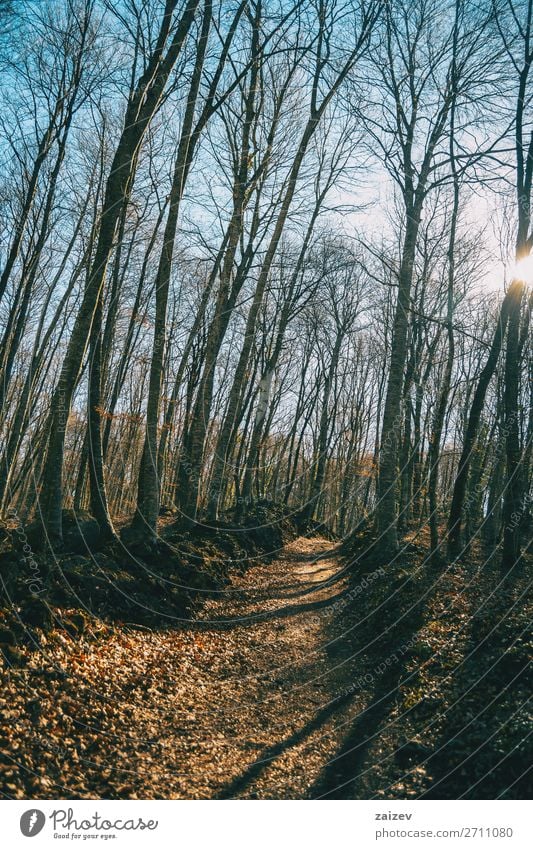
(252, 701)
(298, 681)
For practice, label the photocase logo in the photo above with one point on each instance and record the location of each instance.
(32, 822)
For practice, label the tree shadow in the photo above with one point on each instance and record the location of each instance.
(358, 628)
(397, 617)
(484, 749)
(337, 780)
(285, 612)
(241, 782)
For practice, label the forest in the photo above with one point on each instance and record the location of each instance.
(266, 379)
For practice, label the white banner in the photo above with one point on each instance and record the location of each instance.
(262, 824)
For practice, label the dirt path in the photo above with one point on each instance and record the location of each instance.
(287, 686)
(253, 701)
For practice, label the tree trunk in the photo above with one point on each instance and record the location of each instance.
(456, 510)
(513, 512)
(97, 485)
(387, 490)
(149, 485)
(141, 108)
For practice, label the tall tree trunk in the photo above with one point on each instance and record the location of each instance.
(141, 108)
(149, 487)
(95, 459)
(440, 409)
(512, 503)
(455, 520)
(387, 489)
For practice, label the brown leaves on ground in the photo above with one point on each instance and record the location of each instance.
(283, 690)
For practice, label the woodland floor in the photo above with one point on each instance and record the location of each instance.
(304, 680)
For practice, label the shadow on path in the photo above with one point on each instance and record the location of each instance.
(265, 615)
(338, 779)
(239, 784)
(400, 618)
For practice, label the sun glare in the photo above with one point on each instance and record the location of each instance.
(523, 269)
